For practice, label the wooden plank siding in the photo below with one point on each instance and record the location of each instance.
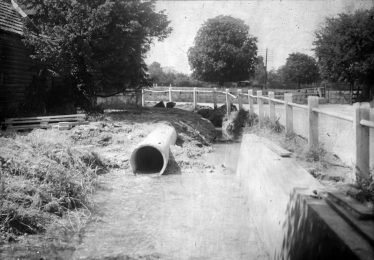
(10, 20)
(16, 67)
(16, 71)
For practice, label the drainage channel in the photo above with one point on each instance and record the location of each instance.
(185, 216)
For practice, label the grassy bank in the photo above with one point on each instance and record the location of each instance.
(43, 178)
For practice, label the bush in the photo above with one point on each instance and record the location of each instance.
(232, 127)
(216, 116)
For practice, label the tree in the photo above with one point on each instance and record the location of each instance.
(301, 69)
(166, 76)
(98, 44)
(275, 79)
(223, 51)
(155, 72)
(345, 49)
(161, 76)
(259, 75)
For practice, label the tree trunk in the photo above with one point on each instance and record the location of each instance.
(367, 93)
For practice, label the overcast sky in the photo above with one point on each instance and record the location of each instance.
(281, 26)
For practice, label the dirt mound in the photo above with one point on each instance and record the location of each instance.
(160, 104)
(49, 175)
(170, 104)
(129, 128)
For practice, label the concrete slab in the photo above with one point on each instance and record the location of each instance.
(293, 220)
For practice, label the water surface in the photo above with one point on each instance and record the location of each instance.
(197, 215)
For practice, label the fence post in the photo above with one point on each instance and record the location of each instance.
(228, 103)
(194, 99)
(260, 103)
(250, 100)
(271, 107)
(143, 98)
(289, 113)
(362, 143)
(240, 99)
(313, 124)
(371, 137)
(215, 98)
(170, 99)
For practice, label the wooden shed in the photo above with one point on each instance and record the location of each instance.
(16, 67)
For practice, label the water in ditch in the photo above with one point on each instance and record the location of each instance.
(182, 216)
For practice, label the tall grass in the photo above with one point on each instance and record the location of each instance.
(43, 178)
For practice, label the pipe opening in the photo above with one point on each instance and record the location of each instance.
(148, 160)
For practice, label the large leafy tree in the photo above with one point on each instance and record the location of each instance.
(155, 72)
(99, 44)
(164, 76)
(223, 51)
(300, 69)
(345, 49)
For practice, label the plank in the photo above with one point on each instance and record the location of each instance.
(24, 127)
(44, 120)
(45, 117)
(44, 126)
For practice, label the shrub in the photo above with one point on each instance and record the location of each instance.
(232, 127)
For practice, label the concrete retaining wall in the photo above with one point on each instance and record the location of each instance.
(335, 135)
(291, 223)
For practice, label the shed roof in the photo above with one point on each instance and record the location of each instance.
(10, 20)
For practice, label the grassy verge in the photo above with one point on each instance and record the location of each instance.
(44, 179)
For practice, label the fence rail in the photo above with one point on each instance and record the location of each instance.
(229, 97)
(335, 115)
(362, 119)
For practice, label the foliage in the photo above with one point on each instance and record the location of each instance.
(345, 48)
(100, 45)
(223, 51)
(163, 77)
(301, 69)
(276, 79)
(155, 72)
(259, 75)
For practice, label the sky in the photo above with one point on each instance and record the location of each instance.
(283, 27)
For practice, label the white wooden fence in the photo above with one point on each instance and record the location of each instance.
(362, 120)
(195, 91)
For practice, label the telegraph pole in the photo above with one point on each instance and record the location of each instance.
(266, 68)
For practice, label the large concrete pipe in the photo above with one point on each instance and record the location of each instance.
(152, 154)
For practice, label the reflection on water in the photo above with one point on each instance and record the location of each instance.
(183, 216)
